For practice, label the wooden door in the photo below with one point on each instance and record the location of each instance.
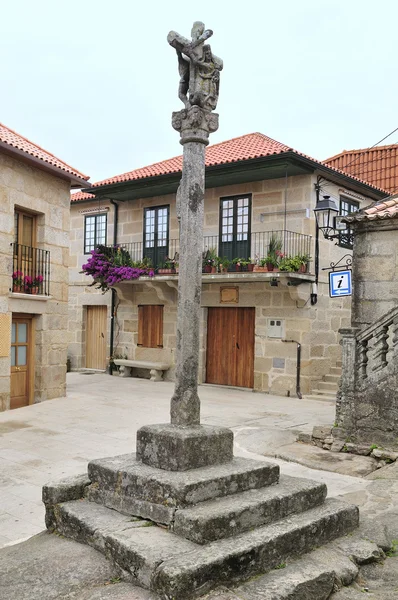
(96, 337)
(230, 346)
(21, 363)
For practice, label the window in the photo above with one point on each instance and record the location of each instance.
(150, 326)
(347, 207)
(94, 232)
(24, 228)
(156, 234)
(235, 227)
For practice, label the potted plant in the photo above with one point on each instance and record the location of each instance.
(304, 260)
(28, 284)
(239, 263)
(250, 264)
(290, 264)
(271, 261)
(261, 267)
(209, 261)
(17, 281)
(37, 284)
(167, 267)
(223, 264)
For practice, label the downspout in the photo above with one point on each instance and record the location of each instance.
(113, 292)
(298, 367)
(314, 292)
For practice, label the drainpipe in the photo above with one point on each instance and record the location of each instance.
(314, 292)
(113, 292)
(298, 367)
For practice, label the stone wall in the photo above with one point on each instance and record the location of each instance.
(367, 404)
(315, 327)
(48, 197)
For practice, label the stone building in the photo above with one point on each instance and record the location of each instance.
(34, 254)
(367, 404)
(257, 190)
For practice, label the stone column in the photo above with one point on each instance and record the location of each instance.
(184, 443)
(194, 125)
(345, 411)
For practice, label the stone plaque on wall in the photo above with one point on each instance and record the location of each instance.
(229, 295)
(5, 335)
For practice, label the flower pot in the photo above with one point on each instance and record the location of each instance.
(250, 267)
(166, 271)
(303, 269)
(34, 290)
(258, 269)
(213, 270)
(270, 267)
(238, 268)
(16, 288)
(207, 269)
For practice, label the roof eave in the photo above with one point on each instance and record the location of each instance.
(75, 181)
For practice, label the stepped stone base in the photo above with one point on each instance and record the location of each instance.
(180, 448)
(221, 523)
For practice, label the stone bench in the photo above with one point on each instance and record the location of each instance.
(156, 369)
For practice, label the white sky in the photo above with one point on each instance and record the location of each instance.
(95, 82)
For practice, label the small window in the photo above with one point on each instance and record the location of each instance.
(347, 207)
(94, 232)
(150, 326)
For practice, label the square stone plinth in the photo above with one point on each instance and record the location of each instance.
(180, 448)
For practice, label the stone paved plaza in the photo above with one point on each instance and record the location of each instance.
(100, 417)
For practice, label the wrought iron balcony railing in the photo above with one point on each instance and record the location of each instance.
(31, 270)
(255, 247)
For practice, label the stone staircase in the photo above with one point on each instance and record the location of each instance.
(183, 533)
(326, 389)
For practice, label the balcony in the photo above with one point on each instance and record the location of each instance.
(31, 270)
(255, 248)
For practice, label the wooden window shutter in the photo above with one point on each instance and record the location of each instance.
(150, 326)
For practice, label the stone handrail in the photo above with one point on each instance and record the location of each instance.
(356, 356)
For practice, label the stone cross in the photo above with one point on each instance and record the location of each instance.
(198, 90)
(184, 443)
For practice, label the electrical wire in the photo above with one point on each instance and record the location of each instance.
(360, 154)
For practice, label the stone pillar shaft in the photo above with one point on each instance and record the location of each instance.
(185, 403)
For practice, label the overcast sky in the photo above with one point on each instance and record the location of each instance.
(95, 82)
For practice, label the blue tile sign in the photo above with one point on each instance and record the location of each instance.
(339, 283)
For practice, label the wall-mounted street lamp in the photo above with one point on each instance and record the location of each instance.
(326, 212)
(328, 219)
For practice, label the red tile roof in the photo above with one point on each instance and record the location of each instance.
(378, 166)
(386, 209)
(80, 196)
(245, 147)
(14, 140)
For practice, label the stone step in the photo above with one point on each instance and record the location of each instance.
(335, 371)
(327, 386)
(129, 486)
(225, 517)
(311, 577)
(317, 395)
(332, 379)
(177, 568)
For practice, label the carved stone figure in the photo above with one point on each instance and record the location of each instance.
(199, 69)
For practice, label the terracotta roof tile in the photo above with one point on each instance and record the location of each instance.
(13, 139)
(79, 196)
(386, 209)
(378, 166)
(245, 147)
